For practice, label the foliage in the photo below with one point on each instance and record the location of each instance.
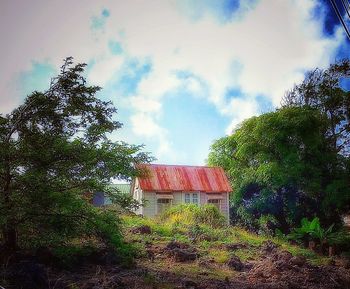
(322, 89)
(277, 164)
(191, 214)
(211, 216)
(293, 162)
(266, 224)
(53, 149)
(124, 202)
(218, 255)
(341, 239)
(311, 230)
(184, 214)
(211, 242)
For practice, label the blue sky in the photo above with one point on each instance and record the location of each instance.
(181, 73)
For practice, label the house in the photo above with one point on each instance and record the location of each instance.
(162, 186)
(101, 199)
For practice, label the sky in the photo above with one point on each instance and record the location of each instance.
(181, 73)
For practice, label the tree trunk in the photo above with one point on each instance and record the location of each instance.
(9, 229)
(10, 237)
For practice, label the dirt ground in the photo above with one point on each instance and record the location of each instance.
(164, 264)
(276, 269)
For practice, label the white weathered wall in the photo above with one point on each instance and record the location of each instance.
(224, 205)
(149, 210)
(177, 198)
(203, 199)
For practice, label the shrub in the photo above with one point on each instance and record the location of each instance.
(311, 230)
(210, 215)
(206, 233)
(340, 239)
(267, 224)
(191, 214)
(183, 214)
(76, 233)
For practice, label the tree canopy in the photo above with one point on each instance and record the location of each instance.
(53, 149)
(293, 162)
(323, 89)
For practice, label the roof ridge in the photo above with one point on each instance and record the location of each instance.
(163, 177)
(192, 166)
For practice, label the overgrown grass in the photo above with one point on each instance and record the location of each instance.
(211, 241)
(220, 256)
(191, 214)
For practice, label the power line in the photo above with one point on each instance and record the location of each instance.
(340, 18)
(346, 7)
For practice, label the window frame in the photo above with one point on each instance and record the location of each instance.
(188, 198)
(163, 202)
(217, 203)
(195, 198)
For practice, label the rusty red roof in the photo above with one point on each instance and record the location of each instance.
(169, 178)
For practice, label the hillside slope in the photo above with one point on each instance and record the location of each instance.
(199, 257)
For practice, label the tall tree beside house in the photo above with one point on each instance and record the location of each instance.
(279, 166)
(295, 161)
(328, 91)
(324, 90)
(53, 148)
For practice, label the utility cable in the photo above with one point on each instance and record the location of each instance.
(340, 18)
(346, 7)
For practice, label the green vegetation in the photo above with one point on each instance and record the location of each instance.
(191, 214)
(292, 163)
(311, 230)
(53, 150)
(290, 170)
(212, 247)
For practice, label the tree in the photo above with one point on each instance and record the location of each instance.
(279, 166)
(324, 90)
(53, 149)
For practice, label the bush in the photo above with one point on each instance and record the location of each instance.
(80, 228)
(183, 214)
(210, 215)
(312, 230)
(191, 214)
(341, 239)
(267, 224)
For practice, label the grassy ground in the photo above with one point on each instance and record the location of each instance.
(210, 243)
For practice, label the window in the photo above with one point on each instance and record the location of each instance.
(195, 198)
(163, 201)
(215, 202)
(162, 205)
(192, 198)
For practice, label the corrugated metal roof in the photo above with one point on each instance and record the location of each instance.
(123, 188)
(168, 178)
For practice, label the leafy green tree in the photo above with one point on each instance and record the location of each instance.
(324, 90)
(53, 149)
(279, 166)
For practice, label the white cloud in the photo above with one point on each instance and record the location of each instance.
(142, 104)
(274, 43)
(144, 125)
(107, 65)
(240, 109)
